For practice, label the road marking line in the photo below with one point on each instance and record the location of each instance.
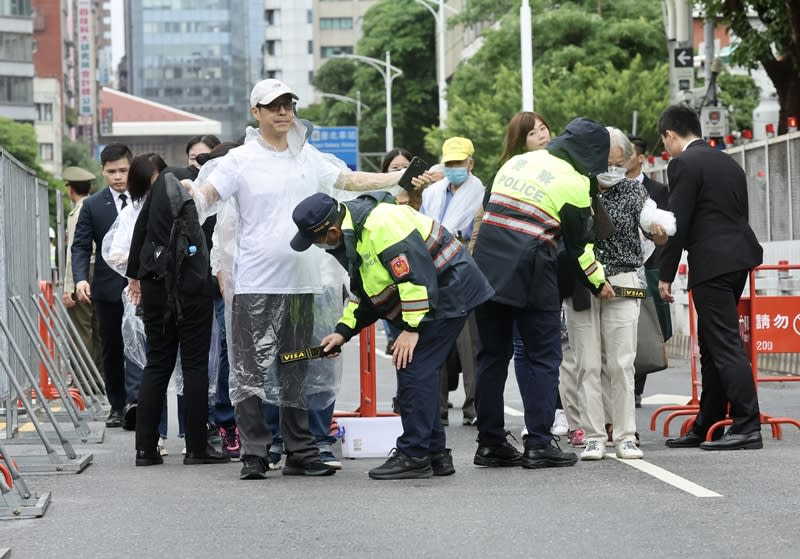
(667, 477)
(511, 411)
(665, 399)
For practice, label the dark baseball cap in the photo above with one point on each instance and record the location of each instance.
(313, 216)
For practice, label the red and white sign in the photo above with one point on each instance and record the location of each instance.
(85, 98)
(775, 325)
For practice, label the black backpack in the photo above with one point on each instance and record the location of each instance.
(184, 263)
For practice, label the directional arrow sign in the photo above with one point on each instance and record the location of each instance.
(683, 57)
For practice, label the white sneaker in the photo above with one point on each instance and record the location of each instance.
(184, 448)
(627, 450)
(162, 446)
(593, 451)
(560, 426)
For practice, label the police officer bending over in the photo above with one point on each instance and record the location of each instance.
(407, 268)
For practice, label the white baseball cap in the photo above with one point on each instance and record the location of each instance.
(266, 91)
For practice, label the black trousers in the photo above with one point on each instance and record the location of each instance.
(541, 334)
(725, 369)
(193, 337)
(109, 316)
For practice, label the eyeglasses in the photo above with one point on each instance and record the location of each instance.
(275, 106)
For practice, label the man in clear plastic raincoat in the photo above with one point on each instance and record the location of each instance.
(278, 298)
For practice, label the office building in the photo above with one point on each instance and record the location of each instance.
(16, 61)
(201, 56)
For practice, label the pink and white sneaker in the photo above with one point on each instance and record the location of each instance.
(575, 437)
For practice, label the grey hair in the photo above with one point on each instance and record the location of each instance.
(619, 139)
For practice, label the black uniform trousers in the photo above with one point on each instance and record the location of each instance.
(193, 337)
(541, 334)
(725, 368)
(418, 388)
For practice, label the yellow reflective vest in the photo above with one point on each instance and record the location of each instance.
(404, 267)
(539, 205)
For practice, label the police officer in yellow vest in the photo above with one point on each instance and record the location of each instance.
(540, 204)
(407, 268)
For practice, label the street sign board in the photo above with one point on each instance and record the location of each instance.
(684, 58)
(683, 68)
(341, 141)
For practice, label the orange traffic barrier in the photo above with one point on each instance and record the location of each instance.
(48, 343)
(769, 324)
(693, 405)
(368, 405)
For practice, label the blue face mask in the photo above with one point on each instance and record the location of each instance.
(456, 175)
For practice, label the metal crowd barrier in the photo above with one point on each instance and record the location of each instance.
(35, 336)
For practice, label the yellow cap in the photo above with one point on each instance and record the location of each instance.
(457, 149)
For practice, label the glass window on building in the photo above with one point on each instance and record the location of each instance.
(44, 111)
(16, 47)
(46, 152)
(269, 17)
(309, 16)
(15, 8)
(327, 23)
(327, 52)
(16, 90)
(311, 47)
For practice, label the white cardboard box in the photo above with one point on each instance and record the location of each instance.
(369, 437)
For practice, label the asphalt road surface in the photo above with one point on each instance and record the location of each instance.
(674, 503)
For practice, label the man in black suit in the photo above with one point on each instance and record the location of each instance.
(105, 292)
(708, 195)
(659, 193)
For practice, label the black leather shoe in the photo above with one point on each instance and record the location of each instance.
(442, 463)
(689, 440)
(129, 416)
(315, 468)
(148, 458)
(550, 456)
(733, 441)
(400, 466)
(114, 419)
(253, 467)
(209, 456)
(500, 456)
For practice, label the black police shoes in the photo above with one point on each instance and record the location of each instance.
(400, 466)
(442, 463)
(550, 456)
(689, 440)
(129, 416)
(500, 456)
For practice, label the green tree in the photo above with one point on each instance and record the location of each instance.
(406, 29)
(771, 38)
(20, 141)
(76, 153)
(740, 94)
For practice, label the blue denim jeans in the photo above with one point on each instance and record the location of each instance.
(221, 412)
(162, 424)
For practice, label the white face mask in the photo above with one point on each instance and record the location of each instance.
(325, 246)
(611, 177)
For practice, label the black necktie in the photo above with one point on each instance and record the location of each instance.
(124, 199)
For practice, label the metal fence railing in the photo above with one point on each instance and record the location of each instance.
(24, 256)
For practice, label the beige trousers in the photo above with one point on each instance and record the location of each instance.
(603, 338)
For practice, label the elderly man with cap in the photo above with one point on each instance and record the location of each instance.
(407, 268)
(453, 202)
(540, 200)
(273, 286)
(79, 184)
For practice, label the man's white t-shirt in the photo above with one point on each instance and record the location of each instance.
(268, 185)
